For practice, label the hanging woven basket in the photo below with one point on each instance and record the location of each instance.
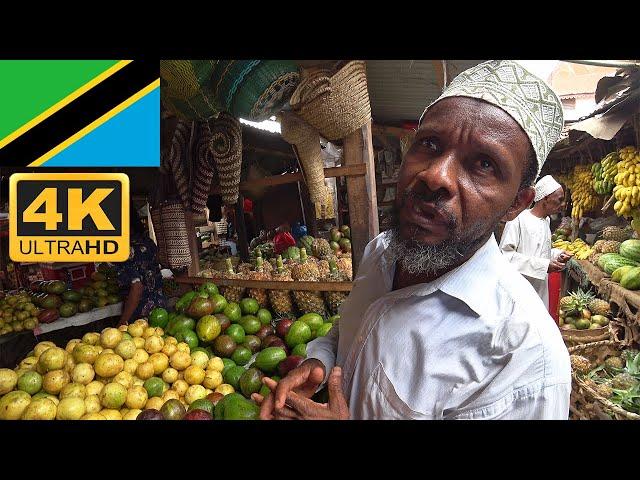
(254, 89)
(171, 232)
(185, 88)
(334, 105)
(307, 142)
(226, 143)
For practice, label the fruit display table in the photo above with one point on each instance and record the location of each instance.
(80, 319)
(14, 346)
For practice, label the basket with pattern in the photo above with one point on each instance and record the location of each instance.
(307, 142)
(588, 399)
(573, 336)
(226, 144)
(334, 105)
(254, 89)
(185, 88)
(156, 220)
(174, 231)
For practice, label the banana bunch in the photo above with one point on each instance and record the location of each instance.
(627, 189)
(578, 247)
(583, 196)
(603, 173)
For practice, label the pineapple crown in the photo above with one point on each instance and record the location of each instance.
(229, 265)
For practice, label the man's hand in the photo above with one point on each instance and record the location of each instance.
(555, 266)
(564, 257)
(298, 407)
(304, 380)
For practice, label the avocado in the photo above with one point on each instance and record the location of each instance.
(224, 346)
(250, 381)
(235, 407)
(269, 358)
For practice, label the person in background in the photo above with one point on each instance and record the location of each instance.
(139, 276)
(526, 241)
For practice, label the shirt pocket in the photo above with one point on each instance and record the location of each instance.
(384, 403)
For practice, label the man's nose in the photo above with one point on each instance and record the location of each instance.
(440, 174)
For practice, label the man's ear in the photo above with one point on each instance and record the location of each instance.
(522, 201)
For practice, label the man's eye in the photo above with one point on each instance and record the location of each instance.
(429, 143)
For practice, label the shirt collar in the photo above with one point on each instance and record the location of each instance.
(473, 282)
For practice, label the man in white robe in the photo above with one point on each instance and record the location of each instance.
(526, 241)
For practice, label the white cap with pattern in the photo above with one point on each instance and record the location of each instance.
(525, 97)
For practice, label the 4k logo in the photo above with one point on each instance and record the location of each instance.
(69, 217)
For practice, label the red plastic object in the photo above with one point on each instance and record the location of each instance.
(555, 285)
(282, 241)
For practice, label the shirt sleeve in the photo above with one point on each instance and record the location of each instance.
(325, 349)
(555, 253)
(534, 267)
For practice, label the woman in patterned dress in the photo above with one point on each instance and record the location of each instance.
(139, 276)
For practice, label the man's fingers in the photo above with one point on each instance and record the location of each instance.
(286, 413)
(266, 408)
(337, 401)
(287, 384)
(258, 398)
(270, 382)
(316, 376)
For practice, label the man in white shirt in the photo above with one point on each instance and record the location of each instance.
(526, 240)
(439, 325)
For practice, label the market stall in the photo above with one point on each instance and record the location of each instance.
(598, 311)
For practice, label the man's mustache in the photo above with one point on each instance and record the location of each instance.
(437, 200)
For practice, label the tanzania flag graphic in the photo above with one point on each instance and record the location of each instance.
(79, 113)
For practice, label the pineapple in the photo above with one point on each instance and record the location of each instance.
(321, 248)
(580, 364)
(616, 233)
(610, 246)
(307, 271)
(323, 268)
(579, 303)
(599, 307)
(244, 268)
(597, 247)
(604, 390)
(232, 294)
(334, 299)
(281, 299)
(345, 266)
(260, 294)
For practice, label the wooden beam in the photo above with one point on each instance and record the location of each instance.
(270, 285)
(344, 171)
(241, 228)
(266, 151)
(363, 204)
(437, 66)
(390, 131)
(309, 210)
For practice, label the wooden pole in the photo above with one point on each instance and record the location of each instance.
(241, 228)
(309, 210)
(363, 204)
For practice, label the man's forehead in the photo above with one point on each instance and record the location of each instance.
(481, 117)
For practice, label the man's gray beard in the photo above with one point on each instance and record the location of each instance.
(417, 258)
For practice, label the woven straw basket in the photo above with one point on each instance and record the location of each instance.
(335, 106)
(172, 228)
(586, 402)
(156, 220)
(185, 88)
(307, 141)
(226, 144)
(573, 337)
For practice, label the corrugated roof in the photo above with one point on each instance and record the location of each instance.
(400, 89)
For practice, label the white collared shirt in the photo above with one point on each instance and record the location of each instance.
(476, 343)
